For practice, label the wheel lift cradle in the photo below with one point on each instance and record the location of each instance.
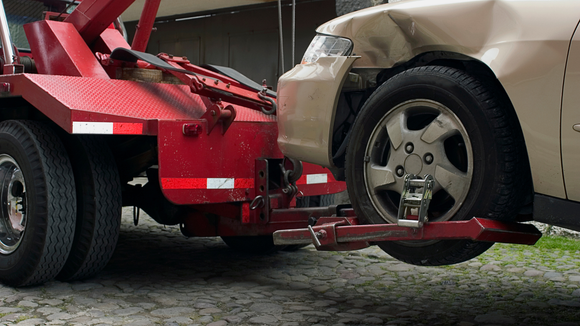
(216, 137)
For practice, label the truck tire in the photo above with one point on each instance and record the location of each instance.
(38, 203)
(99, 204)
(444, 122)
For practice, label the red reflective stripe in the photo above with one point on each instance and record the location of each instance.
(126, 128)
(201, 183)
(184, 183)
(302, 180)
(243, 183)
(246, 212)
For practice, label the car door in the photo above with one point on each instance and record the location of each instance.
(570, 124)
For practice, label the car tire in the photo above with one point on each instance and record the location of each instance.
(39, 203)
(444, 122)
(99, 204)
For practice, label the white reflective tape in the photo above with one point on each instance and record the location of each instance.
(220, 183)
(316, 178)
(92, 128)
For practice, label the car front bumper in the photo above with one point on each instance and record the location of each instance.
(307, 101)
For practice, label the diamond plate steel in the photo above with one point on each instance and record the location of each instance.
(138, 100)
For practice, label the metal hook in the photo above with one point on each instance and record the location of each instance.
(272, 102)
(257, 202)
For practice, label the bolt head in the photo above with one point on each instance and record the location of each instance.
(409, 148)
(429, 158)
(400, 172)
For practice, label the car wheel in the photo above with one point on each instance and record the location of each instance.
(98, 207)
(38, 203)
(443, 122)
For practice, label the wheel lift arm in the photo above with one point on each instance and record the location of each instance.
(343, 233)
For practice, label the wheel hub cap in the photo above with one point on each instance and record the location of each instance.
(413, 164)
(13, 205)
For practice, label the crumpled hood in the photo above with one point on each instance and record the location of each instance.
(387, 34)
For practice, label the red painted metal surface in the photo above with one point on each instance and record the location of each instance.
(92, 17)
(65, 99)
(214, 168)
(212, 88)
(58, 49)
(145, 25)
(332, 234)
(109, 40)
(225, 220)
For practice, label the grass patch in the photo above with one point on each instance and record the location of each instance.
(558, 242)
(21, 318)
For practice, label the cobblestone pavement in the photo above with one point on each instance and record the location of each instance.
(159, 277)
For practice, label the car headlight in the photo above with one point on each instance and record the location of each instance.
(327, 46)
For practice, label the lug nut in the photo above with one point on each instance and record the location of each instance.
(428, 158)
(400, 171)
(409, 148)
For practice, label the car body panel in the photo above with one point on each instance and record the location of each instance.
(525, 44)
(571, 117)
(307, 97)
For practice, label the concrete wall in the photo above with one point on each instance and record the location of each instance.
(346, 6)
(244, 38)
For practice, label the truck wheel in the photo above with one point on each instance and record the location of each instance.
(38, 203)
(99, 205)
(443, 122)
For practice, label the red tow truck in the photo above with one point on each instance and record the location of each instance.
(83, 112)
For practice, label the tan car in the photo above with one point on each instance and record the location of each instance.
(482, 95)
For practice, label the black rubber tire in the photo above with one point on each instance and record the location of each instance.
(50, 203)
(315, 201)
(500, 167)
(99, 204)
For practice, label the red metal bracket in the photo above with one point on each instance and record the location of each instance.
(216, 86)
(345, 234)
(217, 112)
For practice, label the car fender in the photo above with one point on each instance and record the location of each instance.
(307, 101)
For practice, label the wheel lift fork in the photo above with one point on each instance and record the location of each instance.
(344, 233)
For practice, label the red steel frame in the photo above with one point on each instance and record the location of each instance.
(211, 133)
(343, 232)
